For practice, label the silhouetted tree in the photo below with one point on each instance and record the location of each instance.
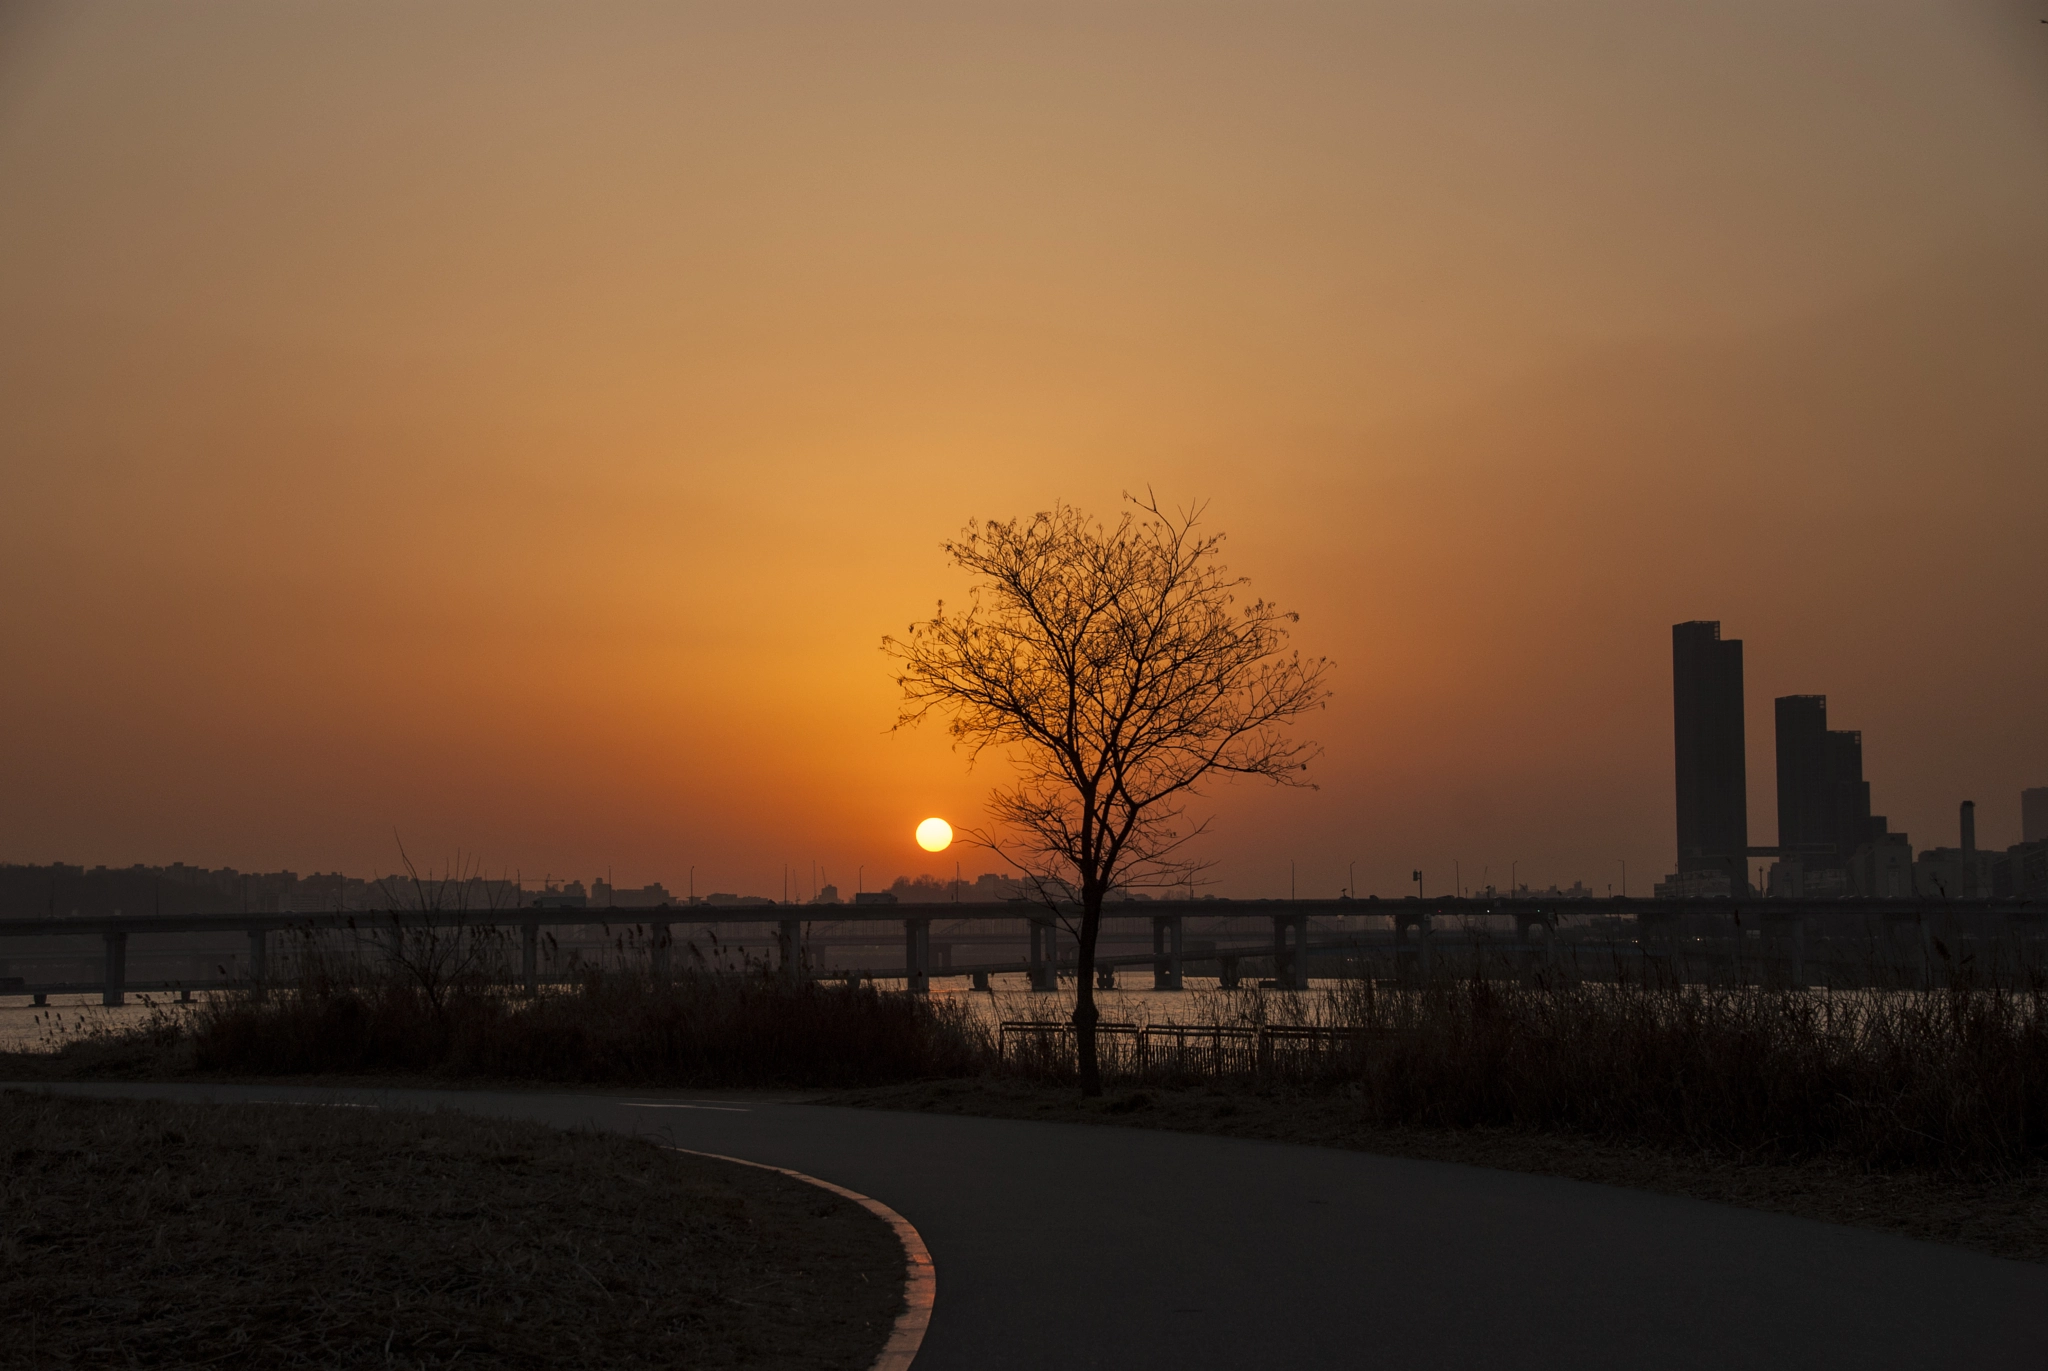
(1117, 671)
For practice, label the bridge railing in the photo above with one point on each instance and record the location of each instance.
(1786, 940)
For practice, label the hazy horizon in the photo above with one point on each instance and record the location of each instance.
(516, 427)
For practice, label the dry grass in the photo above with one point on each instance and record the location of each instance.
(2006, 1216)
(697, 1030)
(1953, 1080)
(144, 1233)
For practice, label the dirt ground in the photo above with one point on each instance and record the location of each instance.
(2005, 1217)
(146, 1233)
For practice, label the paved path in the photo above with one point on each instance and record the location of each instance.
(1068, 1246)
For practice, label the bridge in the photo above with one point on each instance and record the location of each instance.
(1409, 931)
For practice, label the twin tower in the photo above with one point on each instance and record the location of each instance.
(1824, 816)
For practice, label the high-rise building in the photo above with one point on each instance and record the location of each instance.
(1802, 741)
(1823, 800)
(1713, 796)
(2034, 815)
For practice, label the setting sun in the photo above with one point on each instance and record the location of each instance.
(935, 835)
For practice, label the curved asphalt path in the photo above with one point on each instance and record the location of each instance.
(1077, 1246)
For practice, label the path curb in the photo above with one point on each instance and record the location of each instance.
(920, 1277)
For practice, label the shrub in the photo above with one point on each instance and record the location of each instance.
(700, 1029)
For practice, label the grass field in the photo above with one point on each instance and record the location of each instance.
(144, 1233)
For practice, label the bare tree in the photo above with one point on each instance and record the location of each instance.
(1115, 668)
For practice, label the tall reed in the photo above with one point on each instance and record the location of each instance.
(1953, 1078)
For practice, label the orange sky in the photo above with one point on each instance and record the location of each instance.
(516, 426)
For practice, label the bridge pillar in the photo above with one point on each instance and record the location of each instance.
(1166, 950)
(1917, 960)
(113, 986)
(1045, 955)
(1657, 936)
(1411, 942)
(1290, 960)
(1784, 948)
(1105, 977)
(789, 942)
(529, 958)
(1792, 935)
(259, 964)
(1525, 946)
(917, 954)
(659, 942)
(981, 980)
(1227, 977)
(2025, 931)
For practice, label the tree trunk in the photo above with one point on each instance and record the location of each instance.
(1085, 1013)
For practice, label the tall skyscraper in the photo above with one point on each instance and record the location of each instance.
(1803, 810)
(1823, 800)
(1713, 796)
(2034, 814)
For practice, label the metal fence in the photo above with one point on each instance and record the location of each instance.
(1046, 1047)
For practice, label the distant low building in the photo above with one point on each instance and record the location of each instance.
(2021, 871)
(604, 895)
(985, 888)
(1950, 873)
(1695, 885)
(1882, 870)
(1804, 878)
(1575, 891)
(1955, 873)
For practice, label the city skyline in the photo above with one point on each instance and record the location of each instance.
(1823, 819)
